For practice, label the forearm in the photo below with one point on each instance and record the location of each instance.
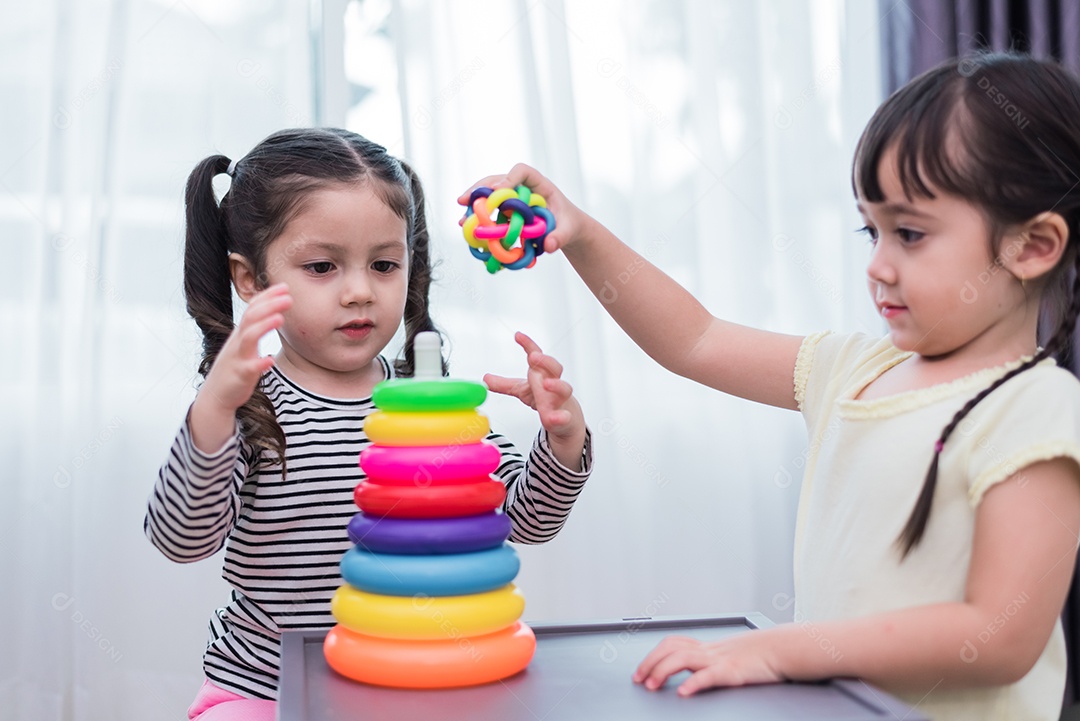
(541, 493)
(211, 425)
(661, 316)
(194, 503)
(912, 649)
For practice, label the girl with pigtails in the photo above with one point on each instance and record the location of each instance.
(939, 513)
(322, 234)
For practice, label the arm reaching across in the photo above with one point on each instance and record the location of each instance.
(661, 316)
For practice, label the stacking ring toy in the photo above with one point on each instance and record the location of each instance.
(429, 536)
(514, 237)
(457, 574)
(443, 394)
(427, 618)
(428, 429)
(434, 502)
(430, 664)
(424, 466)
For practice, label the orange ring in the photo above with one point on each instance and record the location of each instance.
(505, 256)
(464, 661)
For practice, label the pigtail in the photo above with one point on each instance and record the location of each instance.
(208, 291)
(207, 283)
(1058, 346)
(417, 313)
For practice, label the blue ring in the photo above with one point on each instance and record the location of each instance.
(423, 536)
(456, 574)
(481, 192)
(515, 205)
(549, 218)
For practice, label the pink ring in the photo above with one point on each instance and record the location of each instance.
(429, 465)
(496, 232)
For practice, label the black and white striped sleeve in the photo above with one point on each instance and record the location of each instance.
(540, 491)
(195, 501)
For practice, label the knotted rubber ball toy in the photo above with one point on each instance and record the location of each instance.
(506, 228)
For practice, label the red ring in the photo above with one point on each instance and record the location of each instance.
(467, 499)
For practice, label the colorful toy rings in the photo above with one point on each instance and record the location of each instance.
(429, 536)
(457, 574)
(435, 502)
(424, 466)
(430, 664)
(506, 228)
(429, 429)
(443, 394)
(427, 618)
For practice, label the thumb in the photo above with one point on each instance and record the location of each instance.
(554, 240)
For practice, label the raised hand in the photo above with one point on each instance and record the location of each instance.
(569, 219)
(544, 390)
(237, 369)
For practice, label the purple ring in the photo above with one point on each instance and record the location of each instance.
(413, 536)
(514, 204)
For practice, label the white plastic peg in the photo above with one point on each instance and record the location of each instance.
(427, 355)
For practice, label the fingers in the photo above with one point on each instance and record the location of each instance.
(520, 174)
(488, 182)
(665, 648)
(275, 299)
(500, 384)
(262, 315)
(249, 336)
(537, 358)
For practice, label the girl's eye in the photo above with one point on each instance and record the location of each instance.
(871, 234)
(908, 236)
(384, 266)
(320, 268)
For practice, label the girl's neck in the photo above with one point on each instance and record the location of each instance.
(345, 385)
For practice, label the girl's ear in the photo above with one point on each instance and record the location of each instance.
(1037, 248)
(243, 275)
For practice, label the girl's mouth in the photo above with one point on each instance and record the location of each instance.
(356, 331)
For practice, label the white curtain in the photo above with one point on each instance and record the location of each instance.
(715, 137)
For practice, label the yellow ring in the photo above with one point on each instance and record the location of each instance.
(427, 618)
(469, 228)
(447, 428)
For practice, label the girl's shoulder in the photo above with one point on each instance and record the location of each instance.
(827, 362)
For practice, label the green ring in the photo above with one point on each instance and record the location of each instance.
(443, 394)
(517, 222)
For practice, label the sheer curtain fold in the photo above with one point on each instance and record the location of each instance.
(714, 137)
(110, 103)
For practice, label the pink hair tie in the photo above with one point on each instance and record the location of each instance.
(938, 446)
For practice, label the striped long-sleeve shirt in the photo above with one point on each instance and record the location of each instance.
(285, 538)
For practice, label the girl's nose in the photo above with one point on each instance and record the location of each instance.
(357, 289)
(881, 269)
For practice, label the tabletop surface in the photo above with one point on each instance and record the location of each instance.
(580, 671)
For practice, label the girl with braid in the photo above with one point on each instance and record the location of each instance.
(937, 525)
(323, 235)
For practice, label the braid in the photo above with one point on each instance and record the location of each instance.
(1058, 346)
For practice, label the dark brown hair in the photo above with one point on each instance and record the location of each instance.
(1013, 125)
(269, 187)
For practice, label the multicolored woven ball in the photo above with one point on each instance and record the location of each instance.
(506, 228)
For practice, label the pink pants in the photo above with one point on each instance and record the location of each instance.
(216, 704)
